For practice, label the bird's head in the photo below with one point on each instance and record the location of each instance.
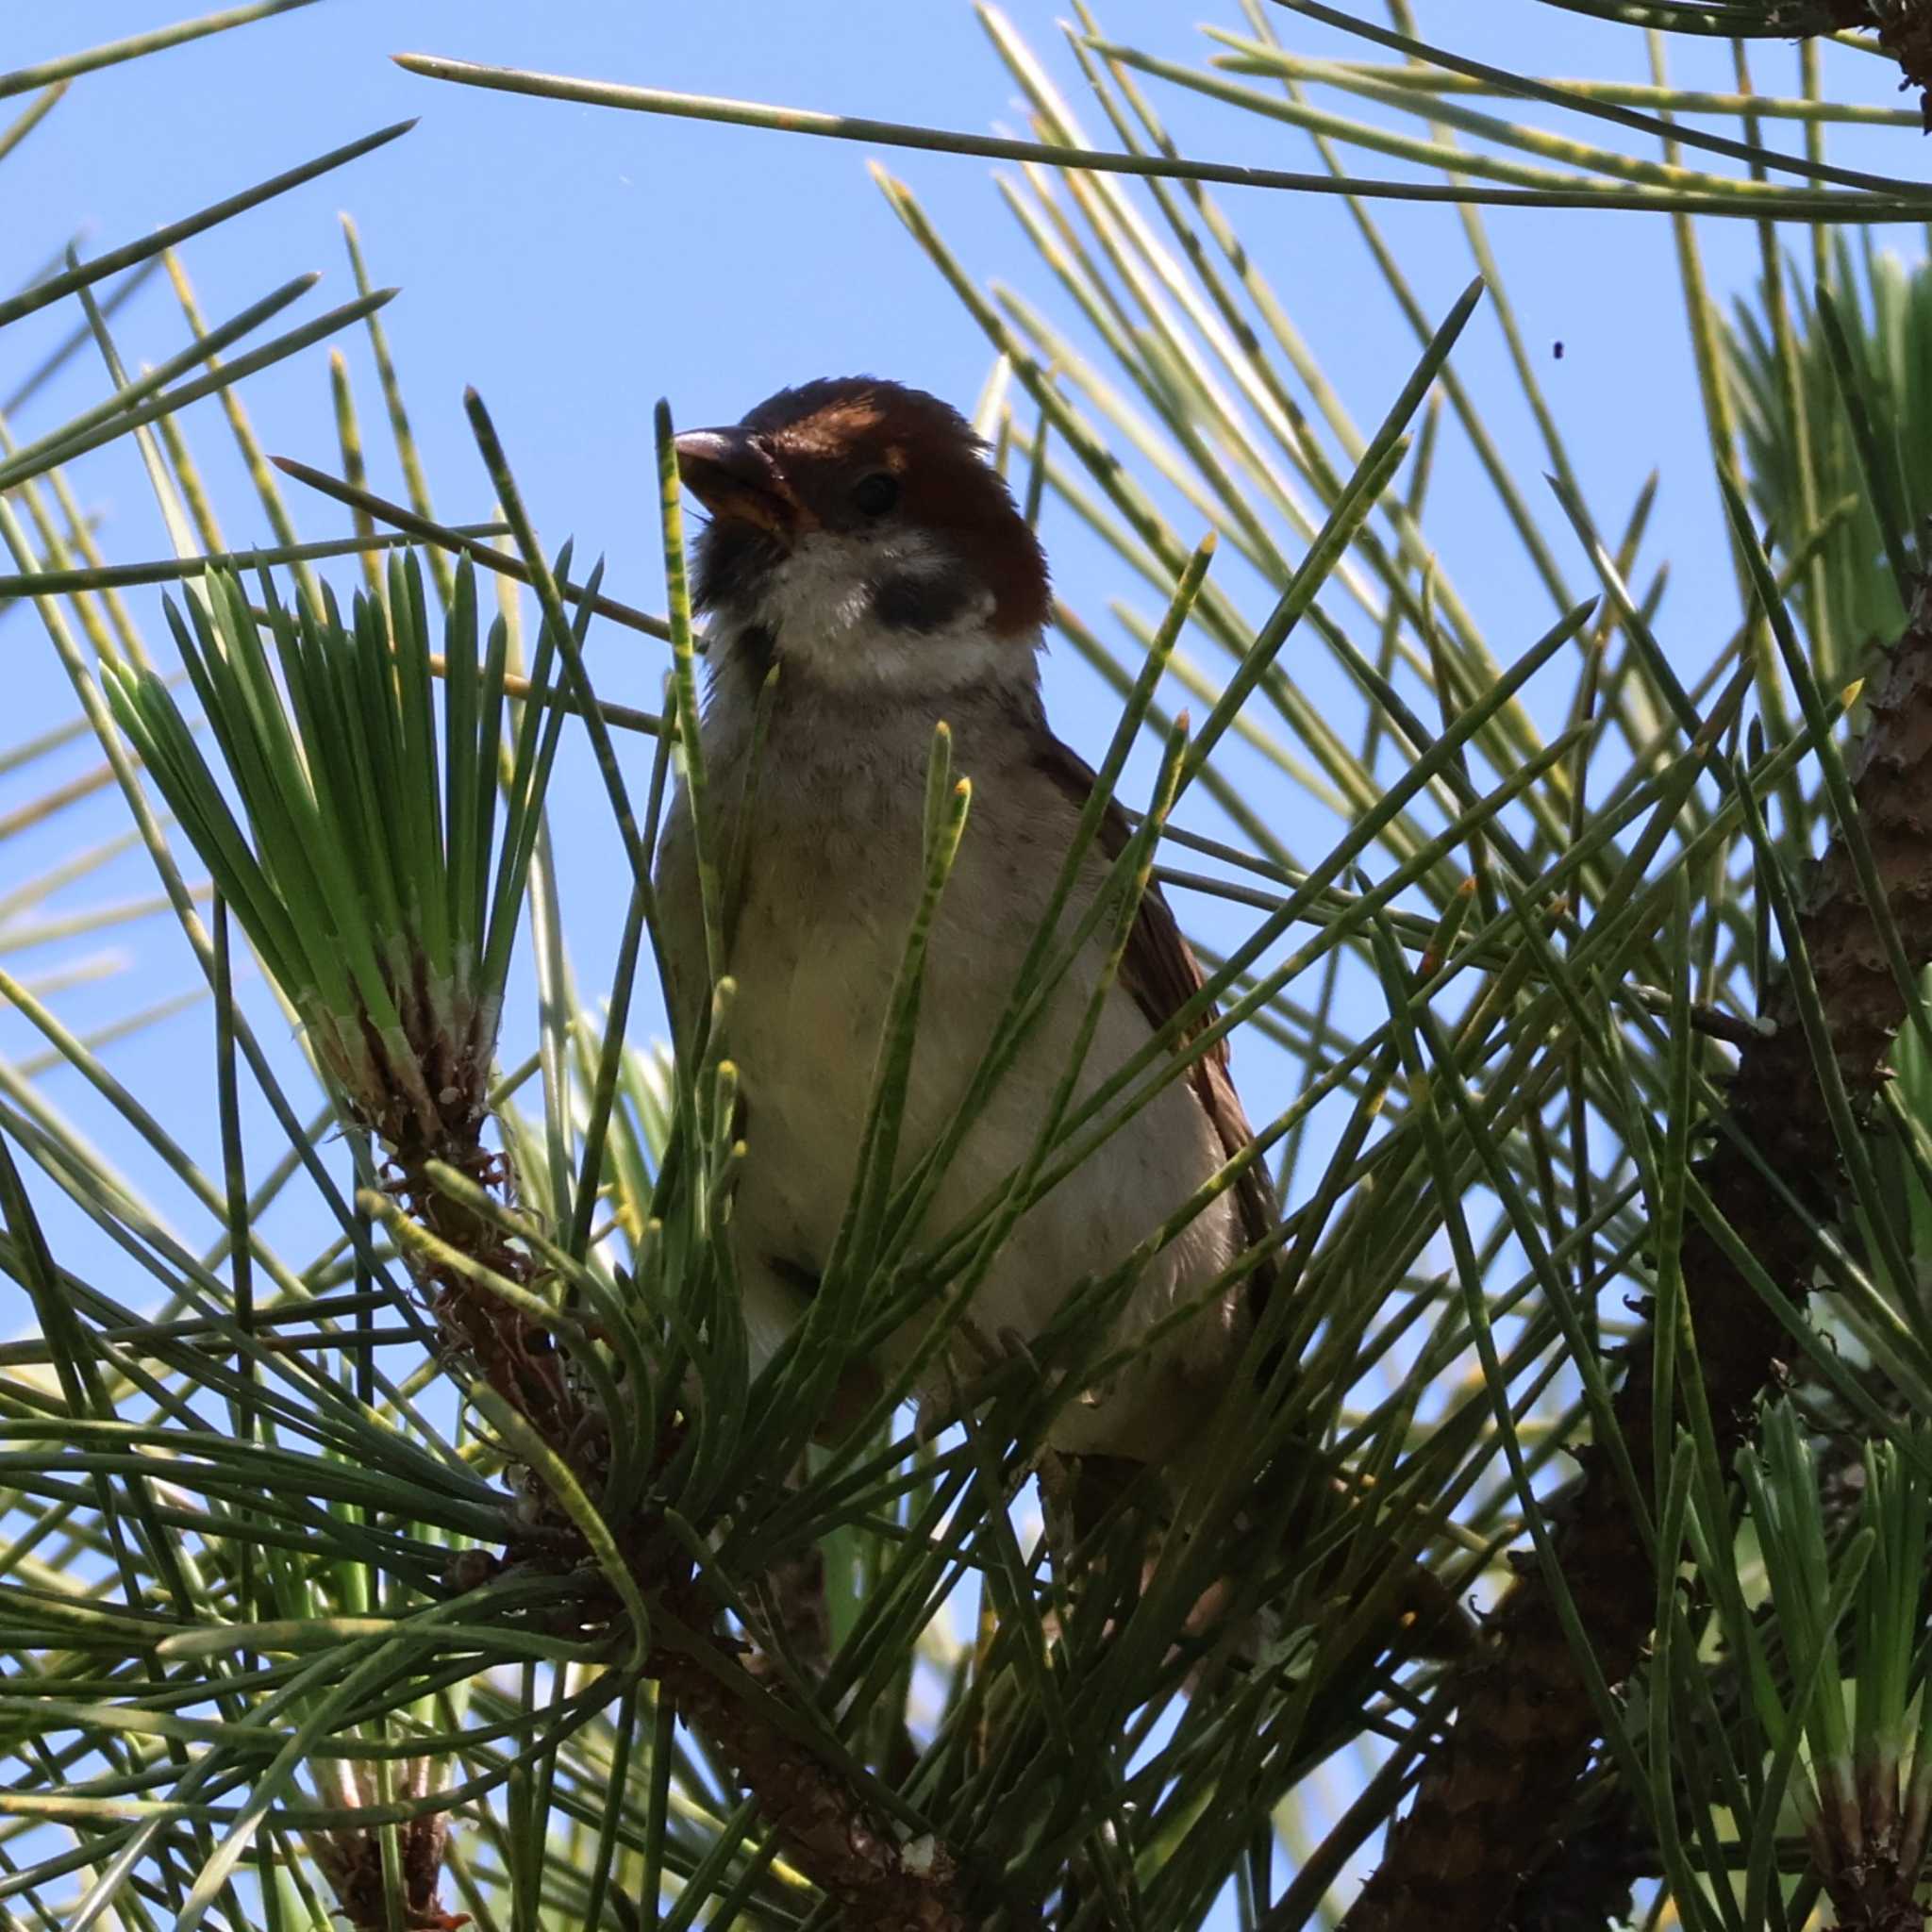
(859, 532)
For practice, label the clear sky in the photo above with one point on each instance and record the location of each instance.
(575, 263)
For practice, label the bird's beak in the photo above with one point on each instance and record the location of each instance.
(733, 473)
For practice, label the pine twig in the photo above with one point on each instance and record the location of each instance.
(880, 1883)
(1525, 1722)
(1905, 31)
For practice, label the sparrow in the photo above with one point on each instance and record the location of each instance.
(861, 540)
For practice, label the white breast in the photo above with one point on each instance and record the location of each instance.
(832, 879)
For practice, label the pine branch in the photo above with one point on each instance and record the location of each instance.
(1604, 1852)
(881, 1883)
(1905, 31)
(1525, 1722)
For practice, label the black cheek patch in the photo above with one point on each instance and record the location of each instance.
(922, 601)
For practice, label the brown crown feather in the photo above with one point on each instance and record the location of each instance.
(826, 435)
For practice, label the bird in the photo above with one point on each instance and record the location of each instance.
(861, 540)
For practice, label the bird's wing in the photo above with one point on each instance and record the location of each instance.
(1161, 974)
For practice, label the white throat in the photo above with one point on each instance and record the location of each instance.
(817, 606)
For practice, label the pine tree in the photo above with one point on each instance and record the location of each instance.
(461, 1567)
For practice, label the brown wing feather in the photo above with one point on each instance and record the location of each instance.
(1160, 970)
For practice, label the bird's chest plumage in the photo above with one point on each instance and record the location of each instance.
(833, 841)
(834, 859)
(831, 881)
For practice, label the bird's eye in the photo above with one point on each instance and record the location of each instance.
(873, 495)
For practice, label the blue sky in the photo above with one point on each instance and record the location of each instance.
(575, 263)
